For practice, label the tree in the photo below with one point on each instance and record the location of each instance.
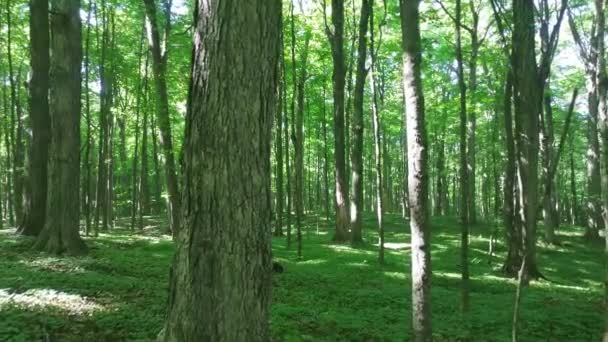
(225, 294)
(356, 159)
(61, 230)
(336, 39)
(527, 107)
(159, 67)
(417, 165)
(36, 188)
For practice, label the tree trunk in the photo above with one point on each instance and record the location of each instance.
(35, 205)
(602, 83)
(61, 230)
(336, 38)
(528, 98)
(281, 98)
(513, 238)
(159, 67)
(325, 157)
(298, 143)
(16, 127)
(467, 204)
(472, 118)
(417, 164)
(225, 294)
(356, 204)
(87, 153)
(377, 142)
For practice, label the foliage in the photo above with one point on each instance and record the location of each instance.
(335, 292)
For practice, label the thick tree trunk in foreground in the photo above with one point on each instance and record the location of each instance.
(356, 159)
(417, 177)
(159, 67)
(336, 39)
(61, 230)
(528, 94)
(35, 205)
(602, 83)
(221, 275)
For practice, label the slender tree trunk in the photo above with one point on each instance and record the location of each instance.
(336, 38)
(157, 169)
(377, 140)
(61, 230)
(201, 308)
(16, 129)
(159, 67)
(280, 199)
(298, 143)
(417, 178)
(8, 142)
(144, 187)
(574, 208)
(135, 193)
(356, 204)
(325, 157)
(467, 204)
(35, 205)
(87, 154)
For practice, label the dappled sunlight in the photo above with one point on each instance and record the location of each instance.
(395, 245)
(312, 262)
(349, 249)
(55, 264)
(396, 275)
(49, 299)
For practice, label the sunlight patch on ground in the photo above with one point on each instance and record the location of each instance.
(395, 245)
(312, 262)
(452, 275)
(349, 249)
(54, 264)
(396, 275)
(358, 264)
(49, 298)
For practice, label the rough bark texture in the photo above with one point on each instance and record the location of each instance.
(513, 235)
(36, 189)
(588, 53)
(356, 159)
(159, 67)
(61, 230)
(221, 274)
(527, 106)
(336, 38)
(417, 177)
(602, 83)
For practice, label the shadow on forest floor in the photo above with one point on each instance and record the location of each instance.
(335, 292)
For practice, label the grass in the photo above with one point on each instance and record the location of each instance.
(335, 293)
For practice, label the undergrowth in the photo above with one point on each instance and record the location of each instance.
(335, 292)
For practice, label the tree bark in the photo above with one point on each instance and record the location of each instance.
(221, 275)
(336, 38)
(61, 230)
(36, 190)
(466, 169)
(378, 155)
(528, 98)
(417, 164)
(356, 204)
(159, 67)
(298, 143)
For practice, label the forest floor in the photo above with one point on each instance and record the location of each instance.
(335, 292)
